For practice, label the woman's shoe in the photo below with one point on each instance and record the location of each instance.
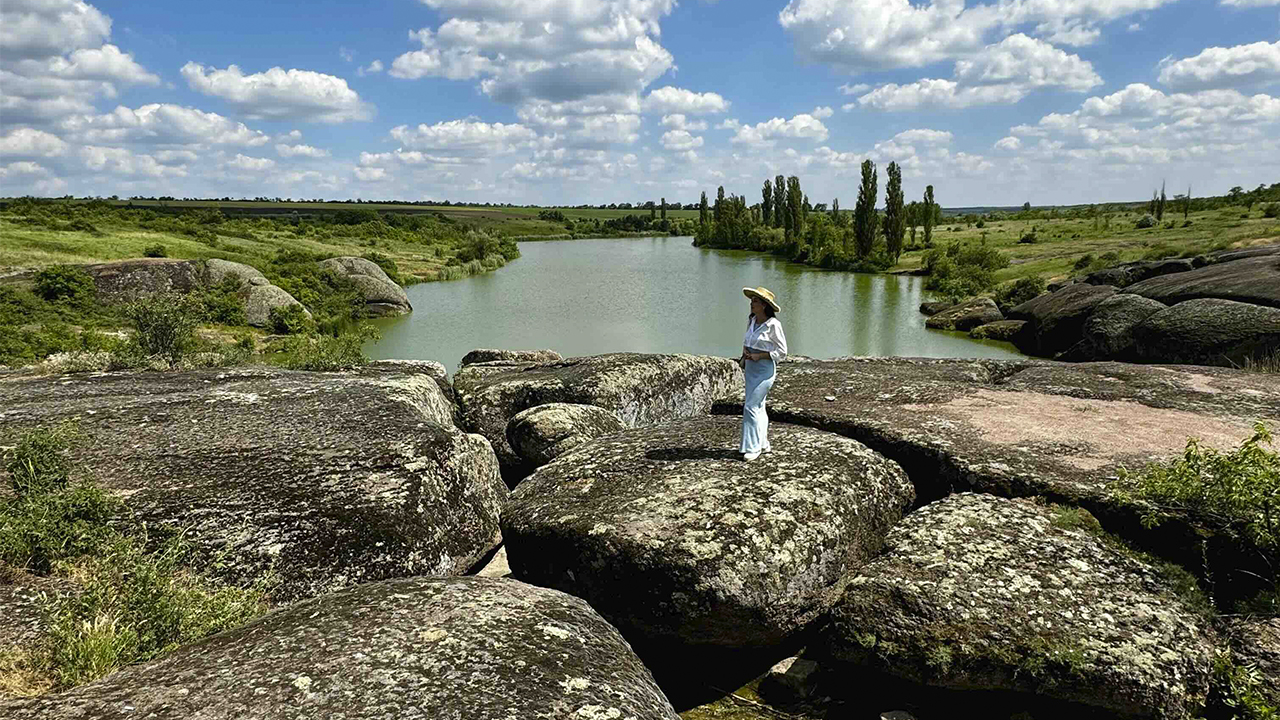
(748, 457)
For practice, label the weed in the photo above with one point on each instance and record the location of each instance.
(1241, 690)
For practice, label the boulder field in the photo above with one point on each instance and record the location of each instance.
(1221, 309)
(948, 524)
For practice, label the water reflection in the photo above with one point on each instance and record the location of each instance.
(586, 297)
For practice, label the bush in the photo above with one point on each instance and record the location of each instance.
(155, 251)
(1145, 221)
(962, 271)
(1013, 294)
(165, 326)
(39, 462)
(1029, 237)
(329, 353)
(289, 320)
(64, 283)
(387, 264)
(1271, 210)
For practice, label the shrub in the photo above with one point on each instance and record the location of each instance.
(1271, 210)
(222, 304)
(289, 320)
(328, 352)
(165, 326)
(39, 462)
(387, 264)
(1029, 237)
(1187, 224)
(1083, 262)
(1145, 221)
(64, 283)
(1013, 294)
(155, 251)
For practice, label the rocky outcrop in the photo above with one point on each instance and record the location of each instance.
(639, 390)
(1130, 273)
(1000, 330)
(257, 293)
(1243, 253)
(1055, 320)
(671, 536)
(1208, 332)
(545, 432)
(1108, 333)
(1254, 280)
(933, 307)
(486, 355)
(382, 296)
(413, 649)
(1031, 428)
(966, 315)
(327, 479)
(982, 593)
(1255, 643)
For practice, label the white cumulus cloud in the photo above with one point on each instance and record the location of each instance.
(680, 140)
(29, 142)
(802, 126)
(679, 100)
(1255, 64)
(280, 94)
(284, 150)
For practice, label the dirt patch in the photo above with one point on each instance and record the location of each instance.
(1087, 434)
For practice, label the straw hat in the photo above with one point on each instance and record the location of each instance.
(764, 295)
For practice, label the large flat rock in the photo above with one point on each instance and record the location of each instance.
(639, 389)
(976, 592)
(1020, 427)
(670, 535)
(1208, 331)
(1254, 280)
(409, 649)
(327, 479)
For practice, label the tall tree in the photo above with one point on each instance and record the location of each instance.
(895, 224)
(929, 213)
(1160, 204)
(807, 207)
(766, 202)
(835, 211)
(718, 212)
(912, 214)
(1186, 203)
(795, 204)
(779, 202)
(864, 213)
(664, 210)
(653, 211)
(702, 209)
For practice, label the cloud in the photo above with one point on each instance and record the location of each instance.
(252, 164)
(822, 112)
(847, 89)
(160, 124)
(679, 100)
(679, 121)
(370, 174)
(1134, 27)
(279, 94)
(346, 54)
(300, 151)
(680, 140)
(802, 126)
(1256, 64)
(1002, 73)
(551, 50)
(29, 142)
(924, 136)
(881, 34)
(122, 161)
(1008, 143)
(1249, 3)
(372, 68)
(55, 60)
(465, 138)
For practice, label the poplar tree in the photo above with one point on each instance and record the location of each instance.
(835, 211)
(927, 218)
(895, 224)
(766, 202)
(1160, 204)
(779, 202)
(795, 204)
(864, 213)
(702, 209)
(664, 210)
(719, 209)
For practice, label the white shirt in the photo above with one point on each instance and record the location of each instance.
(766, 338)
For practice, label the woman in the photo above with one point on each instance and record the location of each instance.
(763, 347)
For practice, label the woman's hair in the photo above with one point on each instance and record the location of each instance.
(768, 311)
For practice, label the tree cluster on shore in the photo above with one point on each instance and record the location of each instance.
(785, 223)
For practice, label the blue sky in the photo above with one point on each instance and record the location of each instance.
(596, 101)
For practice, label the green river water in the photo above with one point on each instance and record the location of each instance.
(662, 295)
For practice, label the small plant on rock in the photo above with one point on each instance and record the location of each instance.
(165, 326)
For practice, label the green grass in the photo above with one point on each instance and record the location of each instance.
(1061, 242)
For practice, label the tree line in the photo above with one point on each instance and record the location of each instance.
(784, 222)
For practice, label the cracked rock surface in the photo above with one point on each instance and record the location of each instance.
(638, 389)
(413, 649)
(980, 592)
(327, 479)
(545, 432)
(670, 535)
